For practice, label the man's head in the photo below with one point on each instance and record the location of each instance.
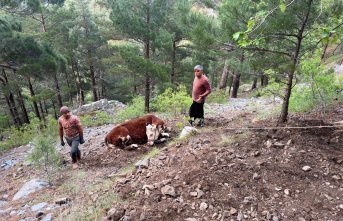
(64, 111)
(198, 70)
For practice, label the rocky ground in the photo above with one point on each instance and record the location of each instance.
(241, 166)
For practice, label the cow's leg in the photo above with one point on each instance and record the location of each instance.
(160, 140)
(131, 147)
(165, 135)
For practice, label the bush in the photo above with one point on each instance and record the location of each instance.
(96, 119)
(175, 102)
(44, 154)
(135, 109)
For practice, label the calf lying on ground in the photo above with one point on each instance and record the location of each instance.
(144, 129)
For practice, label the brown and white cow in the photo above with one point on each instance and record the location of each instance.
(139, 130)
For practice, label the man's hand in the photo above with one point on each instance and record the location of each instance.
(62, 143)
(82, 141)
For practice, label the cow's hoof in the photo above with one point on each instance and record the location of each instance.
(165, 134)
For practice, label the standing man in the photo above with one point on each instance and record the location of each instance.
(70, 126)
(201, 88)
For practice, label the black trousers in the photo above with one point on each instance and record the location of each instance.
(196, 110)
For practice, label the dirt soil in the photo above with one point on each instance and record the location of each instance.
(239, 166)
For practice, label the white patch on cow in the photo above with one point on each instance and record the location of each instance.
(152, 133)
(124, 140)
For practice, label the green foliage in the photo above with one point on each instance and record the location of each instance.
(217, 97)
(320, 89)
(176, 102)
(95, 119)
(44, 155)
(301, 99)
(135, 109)
(16, 137)
(273, 88)
(86, 120)
(181, 124)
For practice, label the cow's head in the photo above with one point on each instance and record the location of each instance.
(152, 132)
(123, 141)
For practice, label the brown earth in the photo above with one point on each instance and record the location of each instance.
(234, 168)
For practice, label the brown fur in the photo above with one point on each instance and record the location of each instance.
(135, 128)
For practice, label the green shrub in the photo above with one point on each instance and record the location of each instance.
(86, 121)
(103, 117)
(44, 154)
(320, 89)
(175, 102)
(135, 109)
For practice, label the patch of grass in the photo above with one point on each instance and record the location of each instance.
(134, 110)
(96, 118)
(151, 153)
(84, 207)
(226, 140)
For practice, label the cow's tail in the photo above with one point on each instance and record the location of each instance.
(107, 144)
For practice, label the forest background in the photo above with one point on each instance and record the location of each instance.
(141, 53)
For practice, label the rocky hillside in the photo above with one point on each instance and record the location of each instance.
(240, 166)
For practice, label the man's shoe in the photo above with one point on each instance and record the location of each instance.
(201, 122)
(190, 123)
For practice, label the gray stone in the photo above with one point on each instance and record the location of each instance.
(168, 190)
(38, 206)
(30, 187)
(2, 203)
(47, 217)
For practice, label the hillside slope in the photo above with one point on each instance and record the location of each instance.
(240, 166)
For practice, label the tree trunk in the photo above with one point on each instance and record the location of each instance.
(10, 101)
(76, 82)
(22, 107)
(34, 102)
(14, 112)
(223, 79)
(54, 108)
(41, 109)
(173, 60)
(82, 97)
(95, 95)
(231, 82)
(147, 56)
(236, 81)
(264, 80)
(254, 84)
(285, 104)
(58, 91)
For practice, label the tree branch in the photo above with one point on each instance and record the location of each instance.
(230, 47)
(8, 67)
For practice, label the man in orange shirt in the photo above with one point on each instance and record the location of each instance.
(70, 127)
(201, 88)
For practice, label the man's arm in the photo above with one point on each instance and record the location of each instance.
(60, 129)
(80, 130)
